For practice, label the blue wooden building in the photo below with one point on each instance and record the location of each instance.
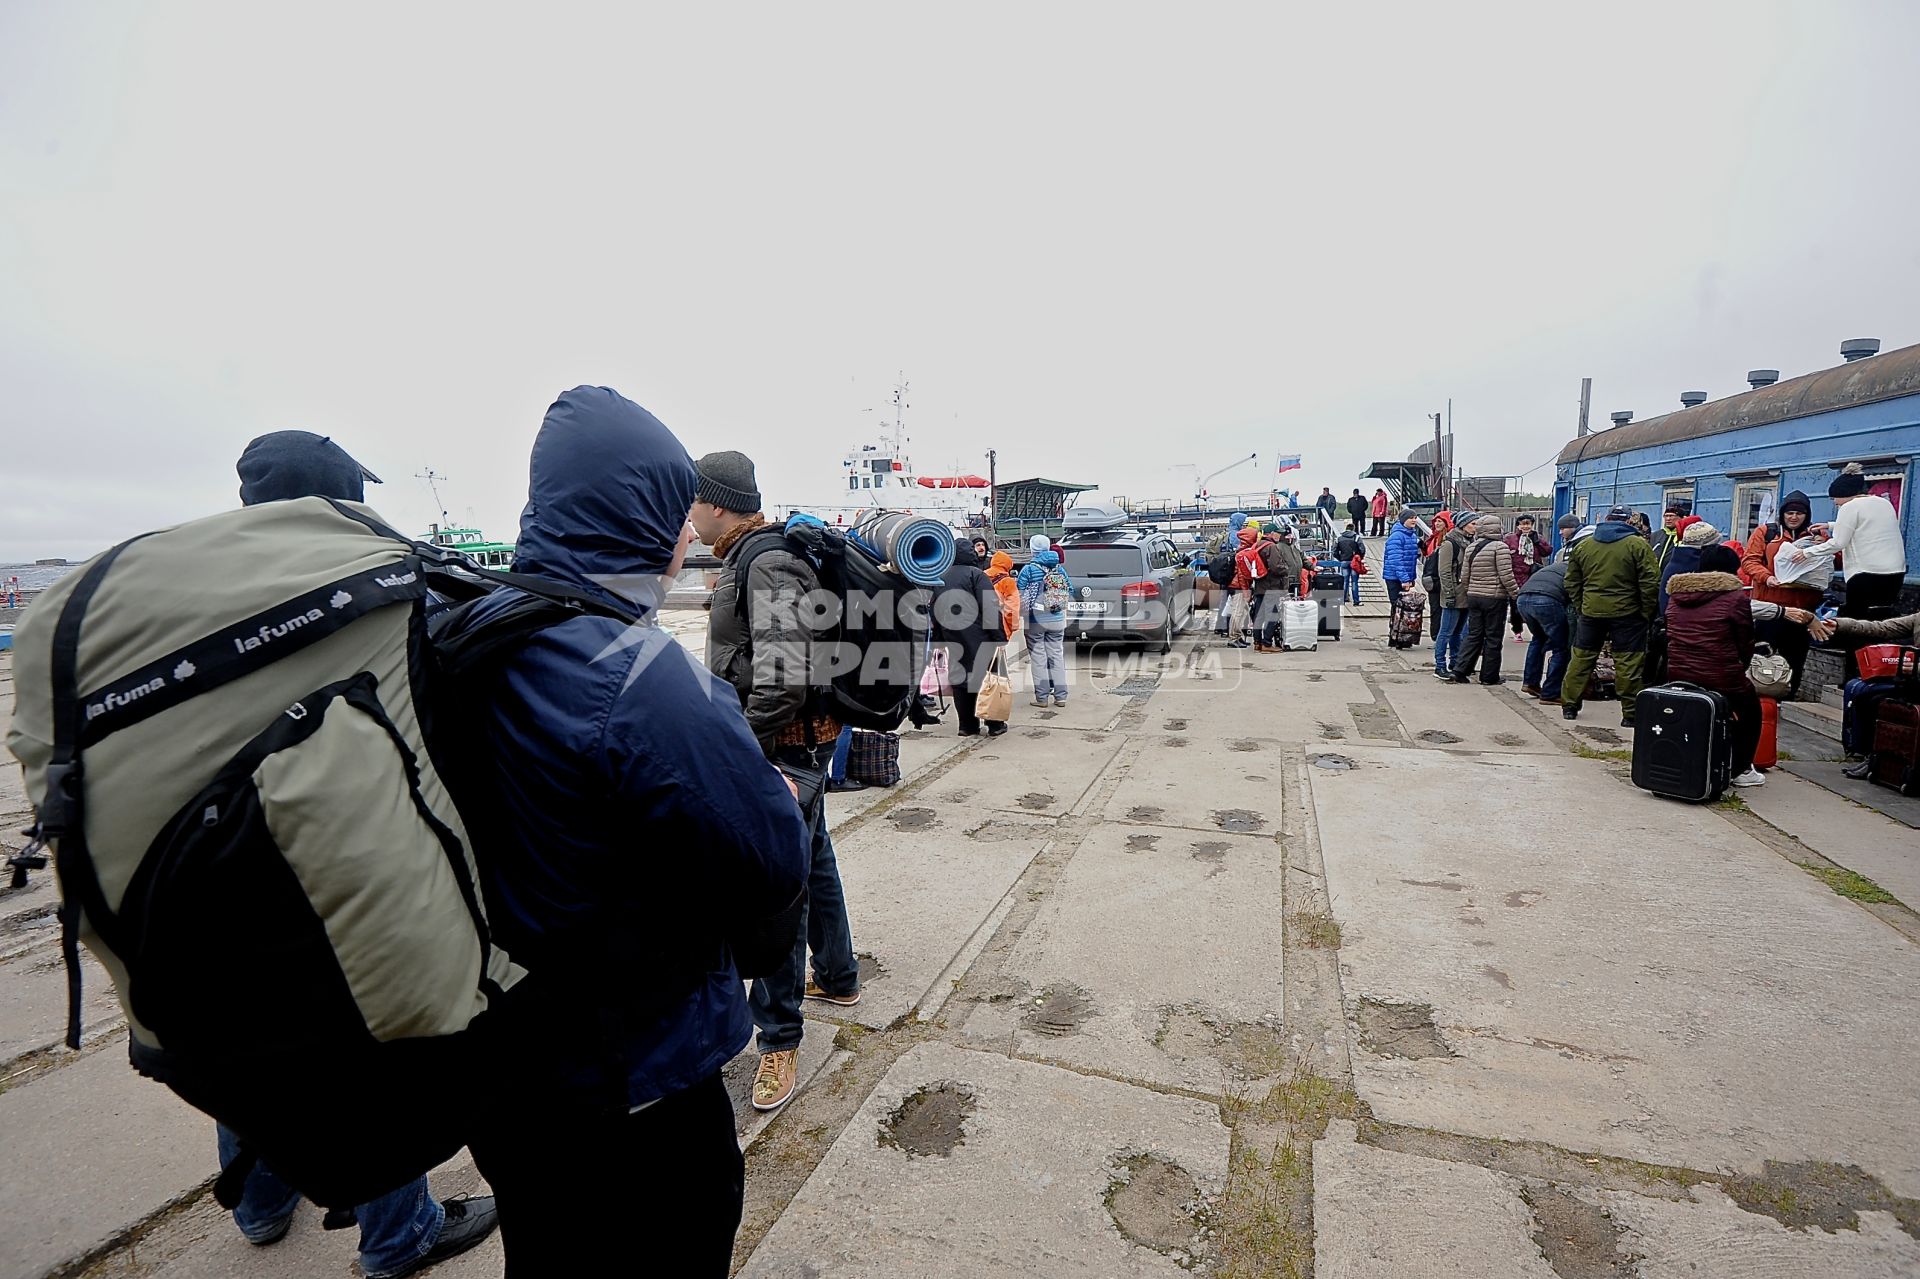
(1735, 458)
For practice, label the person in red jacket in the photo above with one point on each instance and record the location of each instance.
(1710, 643)
(1247, 565)
(1756, 570)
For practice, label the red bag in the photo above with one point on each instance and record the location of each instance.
(1887, 661)
(1359, 564)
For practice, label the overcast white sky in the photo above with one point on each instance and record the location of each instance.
(1104, 239)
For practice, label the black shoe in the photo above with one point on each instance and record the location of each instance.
(275, 1233)
(1570, 712)
(844, 784)
(995, 728)
(469, 1220)
(1497, 679)
(1463, 677)
(970, 732)
(1626, 721)
(1859, 772)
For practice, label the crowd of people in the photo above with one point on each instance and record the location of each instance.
(590, 740)
(1619, 603)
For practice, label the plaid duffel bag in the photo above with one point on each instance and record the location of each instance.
(874, 758)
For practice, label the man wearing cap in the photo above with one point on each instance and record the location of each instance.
(1613, 585)
(758, 642)
(406, 1229)
(1678, 508)
(1867, 529)
(288, 464)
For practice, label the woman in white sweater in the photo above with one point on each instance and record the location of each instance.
(1867, 529)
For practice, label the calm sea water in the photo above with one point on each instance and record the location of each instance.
(33, 577)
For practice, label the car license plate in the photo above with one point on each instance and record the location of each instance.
(1083, 608)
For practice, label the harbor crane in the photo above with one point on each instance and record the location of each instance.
(1200, 482)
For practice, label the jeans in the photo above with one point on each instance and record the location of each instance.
(1047, 655)
(837, 770)
(1547, 624)
(395, 1229)
(1485, 617)
(1352, 593)
(1446, 643)
(581, 1189)
(775, 1001)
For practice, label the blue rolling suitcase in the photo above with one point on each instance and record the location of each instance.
(1681, 744)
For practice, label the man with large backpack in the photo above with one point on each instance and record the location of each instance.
(407, 1229)
(758, 642)
(641, 833)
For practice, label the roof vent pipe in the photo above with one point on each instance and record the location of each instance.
(1859, 348)
(1757, 378)
(1623, 417)
(1692, 399)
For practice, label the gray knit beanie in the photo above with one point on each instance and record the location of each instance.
(726, 481)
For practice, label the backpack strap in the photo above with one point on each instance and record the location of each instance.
(752, 547)
(61, 813)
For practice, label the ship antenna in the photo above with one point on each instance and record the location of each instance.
(433, 479)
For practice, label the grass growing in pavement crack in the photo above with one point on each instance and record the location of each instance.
(1585, 751)
(1851, 885)
(1315, 930)
(1263, 1223)
(1732, 804)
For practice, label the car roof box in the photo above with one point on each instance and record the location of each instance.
(1094, 518)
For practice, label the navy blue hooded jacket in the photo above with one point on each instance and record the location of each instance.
(645, 823)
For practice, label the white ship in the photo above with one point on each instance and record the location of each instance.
(880, 475)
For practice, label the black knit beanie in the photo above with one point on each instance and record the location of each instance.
(1719, 559)
(726, 481)
(1796, 501)
(1851, 482)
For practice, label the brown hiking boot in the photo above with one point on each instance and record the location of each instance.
(773, 1085)
(814, 991)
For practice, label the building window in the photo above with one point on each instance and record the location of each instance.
(1580, 508)
(1753, 505)
(1671, 493)
(1887, 484)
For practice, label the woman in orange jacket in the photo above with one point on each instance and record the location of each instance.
(1000, 573)
(1756, 570)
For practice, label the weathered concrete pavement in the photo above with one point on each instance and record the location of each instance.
(1245, 965)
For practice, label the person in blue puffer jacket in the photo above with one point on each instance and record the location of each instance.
(1400, 563)
(639, 827)
(1046, 628)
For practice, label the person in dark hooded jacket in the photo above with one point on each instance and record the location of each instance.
(639, 827)
(966, 619)
(1710, 643)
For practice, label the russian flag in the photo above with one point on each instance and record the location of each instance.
(1286, 462)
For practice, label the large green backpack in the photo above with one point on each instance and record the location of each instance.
(229, 732)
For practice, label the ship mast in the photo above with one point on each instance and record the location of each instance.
(433, 478)
(900, 406)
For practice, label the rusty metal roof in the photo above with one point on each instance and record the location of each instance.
(1879, 377)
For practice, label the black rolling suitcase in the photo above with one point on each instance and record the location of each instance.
(1681, 745)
